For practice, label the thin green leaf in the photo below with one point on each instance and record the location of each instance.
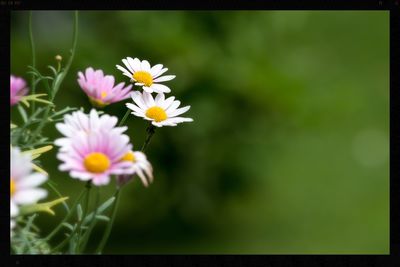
(23, 114)
(79, 211)
(53, 70)
(102, 218)
(100, 210)
(69, 226)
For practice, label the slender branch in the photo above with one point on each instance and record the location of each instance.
(86, 207)
(150, 131)
(92, 223)
(107, 232)
(32, 43)
(60, 225)
(124, 118)
(59, 78)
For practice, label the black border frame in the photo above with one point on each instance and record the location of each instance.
(393, 6)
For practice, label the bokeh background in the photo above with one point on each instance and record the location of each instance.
(289, 148)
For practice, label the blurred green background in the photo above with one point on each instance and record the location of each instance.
(289, 148)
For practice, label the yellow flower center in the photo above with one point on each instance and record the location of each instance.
(156, 113)
(129, 157)
(96, 162)
(12, 187)
(98, 103)
(103, 94)
(143, 77)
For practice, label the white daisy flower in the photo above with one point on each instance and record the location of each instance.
(160, 111)
(146, 76)
(141, 166)
(24, 183)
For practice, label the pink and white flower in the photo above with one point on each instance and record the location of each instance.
(100, 88)
(141, 166)
(146, 76)
(17, 89)
(96, 153)
(158, 110)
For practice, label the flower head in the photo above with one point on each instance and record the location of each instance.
(160, 111)
(24, 182)
(141, 166)
(95, 154)
(81, 122)
(100, 88)
(17, 89)
(146, 76)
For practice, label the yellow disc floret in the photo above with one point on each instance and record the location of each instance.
(129, 157)
(143, 77)
(156, 113)
(103, 94)
(12, 187)
(96, 162)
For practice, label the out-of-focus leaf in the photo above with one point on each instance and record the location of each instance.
(42, 207)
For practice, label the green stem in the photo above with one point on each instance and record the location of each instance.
(32, 43)
(59, 79)
(60, 225)
(107, 232)
(86, 207)
(92, 223)
(150, 131)
(124, 118)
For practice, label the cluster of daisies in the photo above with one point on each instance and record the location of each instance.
(94, 147)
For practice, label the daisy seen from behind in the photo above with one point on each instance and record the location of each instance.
(158, 110)
(141, 166)
(101, 89)
(142, 74)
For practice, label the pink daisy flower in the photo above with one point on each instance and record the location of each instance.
(100, 88)
(17, 89)
(95, 156)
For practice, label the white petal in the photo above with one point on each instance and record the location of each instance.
(142, 177)
(173, 106)
(137, 97)
(133, 107)
(124, 71)
(13, 209)
(168, 102)
(32, 180)
(148, 99)
(145, 65)
(148, 89)
(156, 69)
(178, 111)
(164, 78)
(125, 61)
(135, 63)
(84, 176)
(160, 88)
(159, 100)
(29, 196)
(160, 73)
